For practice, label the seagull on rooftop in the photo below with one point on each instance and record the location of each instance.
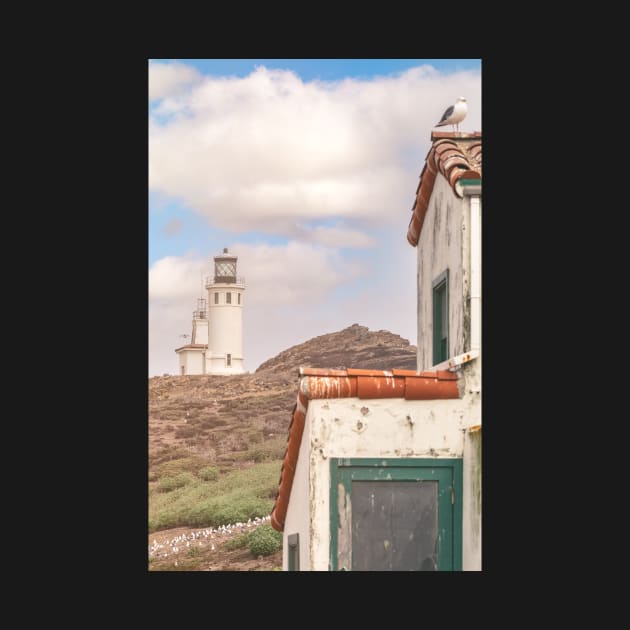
(454, 114)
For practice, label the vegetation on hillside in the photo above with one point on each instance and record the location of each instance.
(185, 498)
(216, 442)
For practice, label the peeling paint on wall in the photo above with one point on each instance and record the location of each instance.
(441, 247)
(344, 507)
(475, 474)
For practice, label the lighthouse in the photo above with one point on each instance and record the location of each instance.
(225, 317)
(217, 335)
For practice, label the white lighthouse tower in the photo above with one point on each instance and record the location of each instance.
(225, 317)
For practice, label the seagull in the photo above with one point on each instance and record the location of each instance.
(454, 114)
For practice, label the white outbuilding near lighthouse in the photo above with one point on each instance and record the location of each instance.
(382, 470)
(216, 345)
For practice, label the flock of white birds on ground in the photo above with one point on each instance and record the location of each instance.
(200, 538)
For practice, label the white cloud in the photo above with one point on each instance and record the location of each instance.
(169, 79)
(172, 277)
(331, 166)
(270, 152)
(295, 273)
(337, 236)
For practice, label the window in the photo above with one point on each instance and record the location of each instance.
(440, 318)
(294, 552)
(396, 514)
(216, 298)
(225, 271)
(228, 360)
(228, 298)
(239, 298)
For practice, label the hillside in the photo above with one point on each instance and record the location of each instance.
(352, 347)
(235, 430)
(230, 420)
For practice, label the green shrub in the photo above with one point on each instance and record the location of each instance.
(231, 508)
(189, 464)
(236, 495)
(269, 450)
(167, 484)
(242, 540)
(209, 473)
(167, 453)
(264, 541)
(166, 520)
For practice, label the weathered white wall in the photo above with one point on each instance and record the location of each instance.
(225, 334)
(181, 358)
(444, 244)
(394, 427)
(217, 365)
(200, 331)
(192, 360)
(297, 520)
(471, 516)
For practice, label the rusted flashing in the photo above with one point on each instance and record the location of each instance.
(457, 361)
(474, 429)
(456, 155)
(435, 135)
(320, 372)
(318, 383)
(359, 372)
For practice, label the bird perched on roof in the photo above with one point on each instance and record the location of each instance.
(454, 114)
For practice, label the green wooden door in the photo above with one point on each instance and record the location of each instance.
(396, 514)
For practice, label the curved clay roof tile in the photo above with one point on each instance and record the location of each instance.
(455, 157)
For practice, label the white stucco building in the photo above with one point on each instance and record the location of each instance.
(216, 345)
(383, 467)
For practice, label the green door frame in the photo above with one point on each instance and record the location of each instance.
(448, 474)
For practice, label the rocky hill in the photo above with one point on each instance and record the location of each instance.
(352, 347)
(226, 418)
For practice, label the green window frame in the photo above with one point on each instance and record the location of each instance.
(446, 471)
(440, 318)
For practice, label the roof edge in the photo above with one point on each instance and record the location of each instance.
(192, 346)
(447, 157)
(320, 383)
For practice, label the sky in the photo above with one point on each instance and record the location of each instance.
(306, 169)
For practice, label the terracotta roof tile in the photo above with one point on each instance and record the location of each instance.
(457, 156)
(322, 383)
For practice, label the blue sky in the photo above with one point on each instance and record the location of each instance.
(326, 69)
(307, 170)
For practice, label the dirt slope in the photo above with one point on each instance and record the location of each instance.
(221, 418)
(233, 422)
